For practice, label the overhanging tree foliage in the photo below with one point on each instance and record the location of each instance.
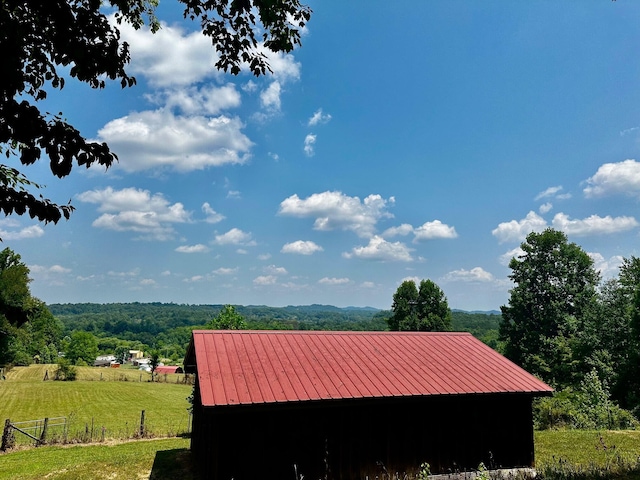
(425, 309)
(37, 38)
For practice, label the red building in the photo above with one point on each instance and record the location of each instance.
(355, 404)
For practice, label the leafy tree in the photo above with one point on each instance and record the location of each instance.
(555, 287)
(227, 319)
(425, 309)
(38, 38)
(82, 348)
(154, 361)
(65, 371)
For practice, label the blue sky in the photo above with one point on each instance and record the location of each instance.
(421, 141)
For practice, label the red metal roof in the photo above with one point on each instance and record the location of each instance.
(244, 367)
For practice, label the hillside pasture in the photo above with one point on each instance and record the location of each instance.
(91, 404)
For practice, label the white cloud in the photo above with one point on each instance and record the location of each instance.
(593, 225)
(235, 236)
(506, 257)
(32, 231)
(274, 270)
(136, 210)
(225, 271)
(622, 178)
(131, 273)
(170, 57)
(152, 139)
(309, 142)
(476, 274)
(264, 256)
(433, 230)
(334, 210)
(333, 281)
(518, 230)
(54, 269)
(206, 100)
(212, 215)
(403, 230)
(301, 247)
(380, 249)
(147, 282)
(608, 268)
(265, 280)
(368, 285)
(545, 207)
(549, 192)
(270, 97)
(194, 279)
(199, 248)
(318, 118)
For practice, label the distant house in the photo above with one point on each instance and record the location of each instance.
(168, 369)
(271, 404)
(104, 361)
(135, 355)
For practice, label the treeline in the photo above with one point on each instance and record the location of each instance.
(168, 326)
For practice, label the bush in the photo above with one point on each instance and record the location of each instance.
(588, 408)
(65, 371)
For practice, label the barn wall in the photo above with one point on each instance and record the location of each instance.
(363, 437)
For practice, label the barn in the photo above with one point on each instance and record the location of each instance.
(352, 405)
(163, 369)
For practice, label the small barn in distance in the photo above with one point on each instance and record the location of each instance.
(271, 403)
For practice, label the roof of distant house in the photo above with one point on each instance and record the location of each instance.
(244, 367)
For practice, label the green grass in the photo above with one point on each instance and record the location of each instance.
(170, 458)
(157, 459)
(114, 405)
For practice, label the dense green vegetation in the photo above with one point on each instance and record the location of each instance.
(577, 334)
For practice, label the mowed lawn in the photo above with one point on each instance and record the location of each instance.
(112, 404)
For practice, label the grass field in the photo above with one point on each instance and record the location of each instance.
(170, 458)
(565, 454)
(110, 403)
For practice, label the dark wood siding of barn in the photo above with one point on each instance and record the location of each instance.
(356, 438)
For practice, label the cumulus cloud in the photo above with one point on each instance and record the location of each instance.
(506, 257)
(199, 248)
(608, 268)
(212, 215)
(622, 178)
(32, 231)
(318, 118)
(518, 230)
(275, 270)
(301, 247)
(433, 230)
(402, 230)
(225, 271)
(136, 210)
(333, 281)
(545, 207)
(235, 236)
(170, 57)
(53, 269)
(476, 274)
(381, 250)
(152, 139)
(265, 280)
(593, 225)
(309, 142)
(270, 97)
(206, 100)
(334, 210)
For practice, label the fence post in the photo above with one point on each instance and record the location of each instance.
(43, 435)
(8, 439)
(142, 424)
